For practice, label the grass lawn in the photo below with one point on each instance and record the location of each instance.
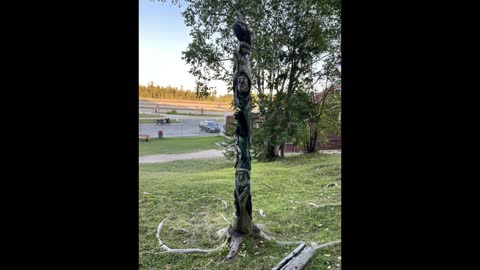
(178, 145)
(189, 193)
(196, 114)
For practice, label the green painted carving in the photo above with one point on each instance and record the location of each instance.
(242, 80)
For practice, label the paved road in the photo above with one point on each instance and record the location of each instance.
(181, 110)
(187, 128)
(220, 118)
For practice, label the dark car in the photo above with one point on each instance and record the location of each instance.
(210, 126)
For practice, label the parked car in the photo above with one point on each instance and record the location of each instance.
(162, 121)
(210, 126)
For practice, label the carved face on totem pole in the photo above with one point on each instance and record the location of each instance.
(242, 177)
(243, 88)
(242, 92)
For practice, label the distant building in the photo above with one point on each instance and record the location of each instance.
(334, 141)
(337, 88)
(230, 124)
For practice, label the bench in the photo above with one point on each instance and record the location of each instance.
(143, 136)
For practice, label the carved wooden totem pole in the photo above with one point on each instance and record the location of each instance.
(242, 218)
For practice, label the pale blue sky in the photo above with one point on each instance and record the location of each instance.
(162, 37)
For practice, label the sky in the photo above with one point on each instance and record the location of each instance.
(162, 38)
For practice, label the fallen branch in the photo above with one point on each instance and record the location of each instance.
(327, 244)
(235, 240)
(225, 203)
(283, 243)
(324, 205)
(224, 218)
(208, 264)
(190, 250)
(299, 258)
(222, 233)
(185, 230)
(290, 257)
(259, 233)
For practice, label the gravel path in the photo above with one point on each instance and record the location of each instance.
(200, 155)
(172, 157)
(331, 151)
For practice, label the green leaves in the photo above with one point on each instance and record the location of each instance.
(283, 32)
(295, 48)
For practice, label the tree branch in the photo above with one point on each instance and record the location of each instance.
(324, 205)
(230, 4)
(225, 59)
(328, 244)
(319, 77)
(224, 69)
(216, 14)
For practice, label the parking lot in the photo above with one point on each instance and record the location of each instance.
(186, 127)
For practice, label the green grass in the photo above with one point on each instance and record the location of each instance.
(178, 145)
(189, 193)
(196, 114)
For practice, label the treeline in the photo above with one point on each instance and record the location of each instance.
(169, 92)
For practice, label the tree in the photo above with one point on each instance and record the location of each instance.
(319, 115)
(296, 43)
(152, 91)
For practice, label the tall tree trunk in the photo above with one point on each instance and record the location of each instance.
(261, 95)
(313, 137)
(312, 147)
(270, 154)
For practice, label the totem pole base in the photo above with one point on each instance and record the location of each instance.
(235, 240)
